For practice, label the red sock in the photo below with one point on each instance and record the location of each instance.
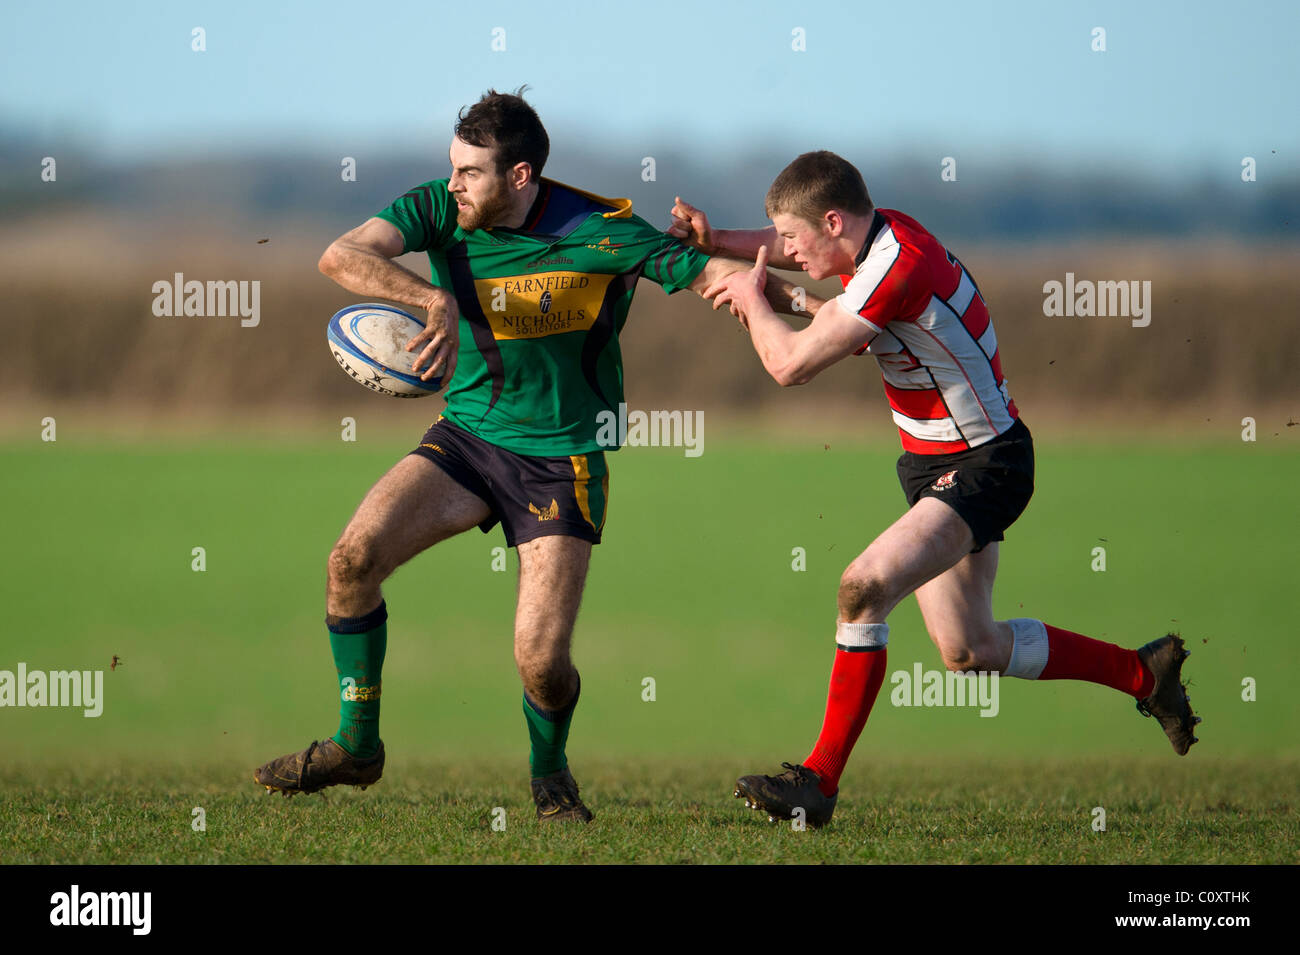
(1072, 656)
(855, 681)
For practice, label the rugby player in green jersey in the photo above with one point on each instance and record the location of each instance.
(532, 281)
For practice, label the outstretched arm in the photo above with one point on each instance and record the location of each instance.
(691, 225)
(783, 296)
(790, 357)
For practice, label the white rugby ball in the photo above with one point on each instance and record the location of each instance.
(369, 341)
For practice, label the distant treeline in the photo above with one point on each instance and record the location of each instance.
(988, 198)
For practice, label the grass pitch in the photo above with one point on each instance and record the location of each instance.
(694, 589)
(954, 810)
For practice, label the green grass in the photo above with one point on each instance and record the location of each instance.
(693, 588)
(896, 811)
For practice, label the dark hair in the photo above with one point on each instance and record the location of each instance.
(814, 184)
(506, 122)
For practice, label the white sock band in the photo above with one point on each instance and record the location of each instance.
(1028, 650)
(861, 637)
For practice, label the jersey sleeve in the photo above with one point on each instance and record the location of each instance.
(426, 217)
(884, 288)
(668, 262)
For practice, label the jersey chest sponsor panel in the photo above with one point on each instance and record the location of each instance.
(933, 339)
(539, 354)
(535, 306)
(540, 350)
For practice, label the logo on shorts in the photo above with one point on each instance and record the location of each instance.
(945, 481)
(433, 447)
(549, 514)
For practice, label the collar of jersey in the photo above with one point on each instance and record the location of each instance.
(621, 209)
(878, 222)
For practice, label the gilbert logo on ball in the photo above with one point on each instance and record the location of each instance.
(369, 343)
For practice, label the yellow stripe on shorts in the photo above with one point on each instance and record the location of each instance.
(582, 474)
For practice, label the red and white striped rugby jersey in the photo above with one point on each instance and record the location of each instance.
(932, 336)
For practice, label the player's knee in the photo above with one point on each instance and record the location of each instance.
(863, 592)
(351, 562)
(966, 651)
(960, 659)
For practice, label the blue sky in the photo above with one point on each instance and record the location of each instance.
(1181, 86)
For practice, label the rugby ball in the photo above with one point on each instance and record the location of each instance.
(369, 341)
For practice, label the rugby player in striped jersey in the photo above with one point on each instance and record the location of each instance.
(967, 468)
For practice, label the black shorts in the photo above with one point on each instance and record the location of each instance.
(988, 486)
(531, 496)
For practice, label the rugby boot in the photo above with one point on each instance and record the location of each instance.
(321, 764)
(1168, 702)
(779, 796)
(556, 795)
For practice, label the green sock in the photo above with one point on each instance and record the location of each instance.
(359, 644)
(549, 731)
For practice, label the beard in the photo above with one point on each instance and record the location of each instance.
(487, 211)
